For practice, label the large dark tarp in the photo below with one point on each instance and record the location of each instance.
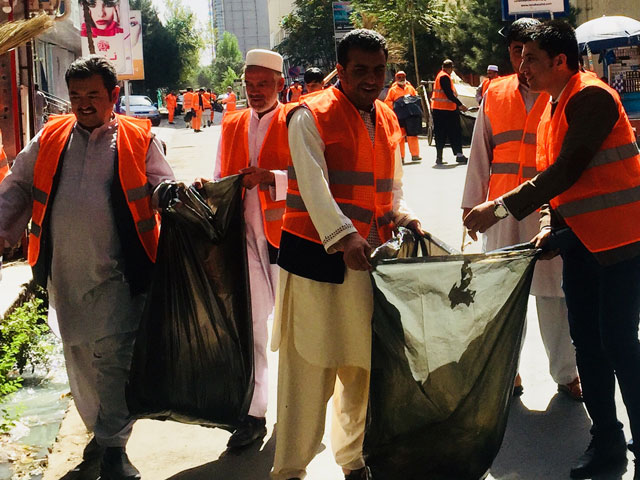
(447, 332)
(193, 359)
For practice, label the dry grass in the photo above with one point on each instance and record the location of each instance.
(14, 34)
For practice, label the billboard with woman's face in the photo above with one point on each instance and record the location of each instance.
(110, 31)
(135, 27)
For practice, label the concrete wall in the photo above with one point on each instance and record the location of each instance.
(277, 10)
(249, 21)
(590, 9)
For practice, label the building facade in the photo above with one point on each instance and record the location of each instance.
(590, 9)
(277, 10)
(248, 20)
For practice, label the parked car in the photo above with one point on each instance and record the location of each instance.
(141, 107)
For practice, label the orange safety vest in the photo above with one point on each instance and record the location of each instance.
(133, 139)
(296, 92)
(514, 135)
(396, 91)
(485, 85)
(439, 101)
(360, 174)
(230, 101)
(603, 206)
(170, 100)
(196, 102)
(274, 155)
(4, 164)
(187, 101)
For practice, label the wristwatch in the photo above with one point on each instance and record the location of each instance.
(499, 210)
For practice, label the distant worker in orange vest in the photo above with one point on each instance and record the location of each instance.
(295, 92)
(229, 100)
(445, 107)
(400, 88)
(589, 191)
(254, 143)
(171, 102)
(187, 106)
(492, 73)
(503, 155)
(92, 173)
(313, 80)
(200, 104)
(211, 97)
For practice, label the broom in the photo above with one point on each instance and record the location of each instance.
(13, 34)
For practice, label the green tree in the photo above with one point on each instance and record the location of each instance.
(403, 20)
(474, 40)
(181, 25)
(310, 40)
(228, 58)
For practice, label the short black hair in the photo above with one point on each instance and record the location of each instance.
(313, 74)
(364, 39)
(556, 37)
(519, 30)
(85, 67)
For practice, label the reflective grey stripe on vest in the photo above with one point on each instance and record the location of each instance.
(147, 225)
(600, 202)
(512, 168)
(273, 214)
(614, 154)
(384, 185)
(529, 172)
(138, 193)
(442, 100)
(385, 219)
(530, 138)
(4, 162)
(35, 229)
(337, 177)
(352, 211)
(39, 196)
(508, 136)
(291, 172)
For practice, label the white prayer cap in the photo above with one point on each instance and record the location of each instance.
(264, 58)
(492, 68)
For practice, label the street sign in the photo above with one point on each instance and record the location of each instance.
(342, 19)
(513, 9)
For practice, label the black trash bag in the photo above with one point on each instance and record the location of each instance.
(447, 332)
(408, 109)
(193, 358)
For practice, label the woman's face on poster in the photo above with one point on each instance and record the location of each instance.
(104, 12)
(136, 30)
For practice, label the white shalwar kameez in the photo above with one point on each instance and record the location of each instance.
(547, 277)
(263, 276)
(323, 330)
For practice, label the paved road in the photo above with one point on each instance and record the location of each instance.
(546, 432)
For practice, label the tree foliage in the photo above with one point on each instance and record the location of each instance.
(403, 20)
(170, 51)
(474, 40)
(309, 29)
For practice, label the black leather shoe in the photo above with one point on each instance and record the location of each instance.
(602, 455)
(251, 430)
(92, 451)
(115, 465)
(461, 159)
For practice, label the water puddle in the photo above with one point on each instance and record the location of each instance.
(40, 406)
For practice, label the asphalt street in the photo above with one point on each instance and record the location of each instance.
(546, 431)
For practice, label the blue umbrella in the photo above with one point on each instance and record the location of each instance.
(608, 32)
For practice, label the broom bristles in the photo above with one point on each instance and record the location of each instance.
(14, 34)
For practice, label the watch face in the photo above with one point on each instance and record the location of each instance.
(500, 211)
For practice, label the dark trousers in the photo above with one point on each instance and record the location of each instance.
(604, 308)
(446, 125)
